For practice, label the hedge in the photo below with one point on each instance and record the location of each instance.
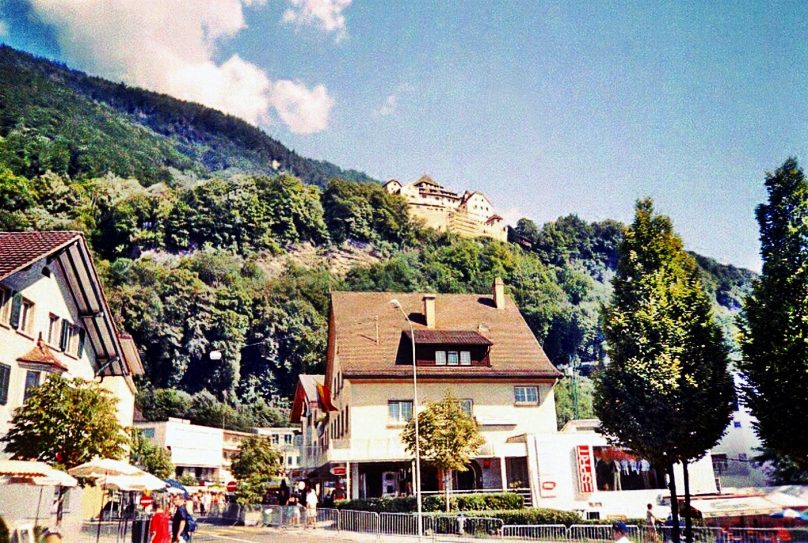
(435, 503)
(533, 516)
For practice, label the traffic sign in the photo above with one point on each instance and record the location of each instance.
(146, 501)
(232, 486)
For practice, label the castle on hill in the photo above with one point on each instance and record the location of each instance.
(470, 214)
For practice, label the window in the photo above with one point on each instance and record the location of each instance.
(53, 329)
(148, 432)
(31, 381)
(466, 406)
(72, 341)
(5, 305)
(526, 395)
(5, 378)
(288, 460)
(452, 358)
(26, 316)
(465, 358)
(440, 358)
(275, 439)
(287, 439)
(736, 423)
(399, 411)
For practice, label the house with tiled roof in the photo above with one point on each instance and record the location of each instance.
(54, 319)
(478, 347)
(470, 214)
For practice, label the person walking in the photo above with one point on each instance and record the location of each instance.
(311, 508)
(160, 524)
(651, 522)
(179, 524)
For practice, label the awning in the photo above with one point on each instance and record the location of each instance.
(735, 506)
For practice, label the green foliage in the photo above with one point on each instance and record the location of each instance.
(533, 516)
(564, 401)
(782, 470)
(66, 422)
(186, 479)
(61, 120)
(775, 319)
(434, 503)
(365, 212)
(148, 456)
(256, 463)
(448, 437)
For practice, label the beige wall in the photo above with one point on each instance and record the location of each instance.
(369, 428)
(50, 295)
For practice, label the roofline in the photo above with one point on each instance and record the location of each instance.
(456, 376)
(28, 264)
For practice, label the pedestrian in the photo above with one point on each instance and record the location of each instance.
(283, 494)
(651, 522)
(293, 509)
(160, 524)
(619, 532)
(311, 508)
(52, 535)
(179, 524)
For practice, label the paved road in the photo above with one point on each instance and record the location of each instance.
(243, 534)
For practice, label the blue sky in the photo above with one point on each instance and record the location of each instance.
(549, 108)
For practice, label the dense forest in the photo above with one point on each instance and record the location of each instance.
(242, 262)
(56, 119)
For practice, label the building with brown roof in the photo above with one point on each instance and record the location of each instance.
(470, 214)
(54, 319)
(476, 346)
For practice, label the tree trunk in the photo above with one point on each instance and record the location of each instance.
(447, 480)
(674, 505)
(688, 519)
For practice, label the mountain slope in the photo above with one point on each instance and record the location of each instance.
(52, 117)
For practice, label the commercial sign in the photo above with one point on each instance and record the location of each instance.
(583, 460)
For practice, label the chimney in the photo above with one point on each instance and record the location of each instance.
(429, 310)
(499, 293)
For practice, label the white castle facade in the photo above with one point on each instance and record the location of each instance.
(470, 214)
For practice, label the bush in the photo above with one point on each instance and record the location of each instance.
(533, 516)
(435, 503)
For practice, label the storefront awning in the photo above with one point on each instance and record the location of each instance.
(735, 506)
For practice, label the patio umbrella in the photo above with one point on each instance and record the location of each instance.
(175, 487)
(804, 515)
(139, 483)
(786, 513)
(24, 468)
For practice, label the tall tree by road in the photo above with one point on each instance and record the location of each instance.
(666, 394)
(774, 323)
(256, 463)
(448, 437)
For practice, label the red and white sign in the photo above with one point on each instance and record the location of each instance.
(146, 501)
(339, 470)
(232, 486)
(583, 457)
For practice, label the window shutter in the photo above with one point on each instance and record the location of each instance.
(65, 331)
(16, 310)
(5, 378)
(80, 352)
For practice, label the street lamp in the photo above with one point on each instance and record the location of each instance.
(417, 479)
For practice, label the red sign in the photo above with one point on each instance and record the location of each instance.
(146, 501)
(583, 456)
(232, 486)
(339, 471)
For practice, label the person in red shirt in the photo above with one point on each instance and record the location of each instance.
(160, 526)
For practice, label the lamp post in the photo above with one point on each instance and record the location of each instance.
(417, 479)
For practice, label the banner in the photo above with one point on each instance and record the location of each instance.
(583, 456)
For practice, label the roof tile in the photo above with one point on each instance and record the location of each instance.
(19, 250)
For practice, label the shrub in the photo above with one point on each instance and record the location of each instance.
(533, 516)
(435, 503)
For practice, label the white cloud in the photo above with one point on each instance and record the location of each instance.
(304, 111)
(324, 14)
(3, 28)
(170, 47)
(389, 106)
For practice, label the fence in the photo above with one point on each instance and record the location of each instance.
(459, 527)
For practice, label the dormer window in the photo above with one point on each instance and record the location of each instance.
(445, 348)
(440, 358)
(452, 358)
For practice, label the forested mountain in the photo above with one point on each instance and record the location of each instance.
(242, 263)
(62, 120)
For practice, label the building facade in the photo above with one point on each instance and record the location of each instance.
(470, 214)
(479, 349)
(54, 319)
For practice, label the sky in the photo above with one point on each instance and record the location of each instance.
(548, 108)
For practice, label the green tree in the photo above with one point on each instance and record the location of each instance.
(256, 463)
(775, 319)
(667, 394)
(448, 437)
(565, 411)
(148, 456)
(66, 422)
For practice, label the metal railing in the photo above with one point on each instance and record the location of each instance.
(460, 527)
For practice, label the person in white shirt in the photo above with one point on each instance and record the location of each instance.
(619, 531)
(311, 508)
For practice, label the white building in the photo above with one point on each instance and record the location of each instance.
(54, 319)
(206, 452)
(479, 348)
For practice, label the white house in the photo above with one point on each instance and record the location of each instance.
(479, 348)
(54, 319)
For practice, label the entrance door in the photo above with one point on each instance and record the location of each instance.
(390, 484)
